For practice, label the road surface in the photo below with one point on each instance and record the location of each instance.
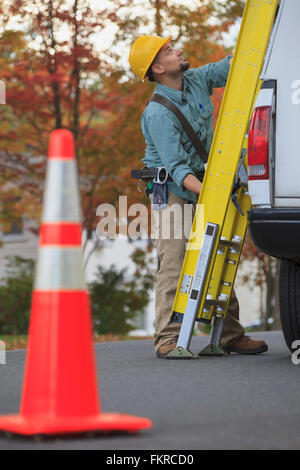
(233, 402)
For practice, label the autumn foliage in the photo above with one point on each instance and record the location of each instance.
(56, 77)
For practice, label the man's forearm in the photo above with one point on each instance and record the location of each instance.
(192, 183)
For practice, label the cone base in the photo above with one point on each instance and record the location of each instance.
(106, 422)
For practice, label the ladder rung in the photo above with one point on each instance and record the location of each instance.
(214, 303)
(226, 283)
(234, 244)
(220, 303)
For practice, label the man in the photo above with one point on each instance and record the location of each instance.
(168, 145)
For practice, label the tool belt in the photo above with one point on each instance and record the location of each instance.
(158, 175)
(156, 183)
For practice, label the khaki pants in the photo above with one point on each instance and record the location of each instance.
(170, 255)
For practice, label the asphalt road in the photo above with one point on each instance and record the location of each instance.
(233, 402)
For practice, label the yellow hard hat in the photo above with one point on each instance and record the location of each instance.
(143, 51)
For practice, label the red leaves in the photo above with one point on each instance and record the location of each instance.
(59, 79)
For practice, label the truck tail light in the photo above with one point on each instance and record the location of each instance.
(258, 144)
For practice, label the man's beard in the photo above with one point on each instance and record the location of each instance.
(184, 66)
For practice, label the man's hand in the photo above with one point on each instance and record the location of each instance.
(192, 183)
(230, 60)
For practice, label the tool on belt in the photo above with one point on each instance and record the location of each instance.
(156, 182)
(157, 178)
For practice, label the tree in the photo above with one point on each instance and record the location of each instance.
(54, 81)
(16, 296)
(117, 297)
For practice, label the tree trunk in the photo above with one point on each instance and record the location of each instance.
(53, 69)
(76, 75)
(158, 17)
(276, 313)
(271, 315)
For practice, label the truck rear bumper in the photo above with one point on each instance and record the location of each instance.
(276, 232)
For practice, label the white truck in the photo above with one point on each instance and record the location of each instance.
(274, 162)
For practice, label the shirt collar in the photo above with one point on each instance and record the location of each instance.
(175, 95)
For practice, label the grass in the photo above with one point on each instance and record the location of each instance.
(13, 342)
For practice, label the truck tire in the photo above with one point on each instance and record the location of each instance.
(289, 301)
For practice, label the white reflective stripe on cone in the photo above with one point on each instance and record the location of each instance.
(59, 268)
(61, 197)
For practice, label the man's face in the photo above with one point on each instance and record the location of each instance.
(170, 61)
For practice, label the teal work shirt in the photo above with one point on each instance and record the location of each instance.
(167, 144)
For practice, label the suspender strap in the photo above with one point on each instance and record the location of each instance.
(185, 125)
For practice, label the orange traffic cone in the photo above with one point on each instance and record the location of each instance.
(60, 388)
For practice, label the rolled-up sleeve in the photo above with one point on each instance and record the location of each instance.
(215, 74)
(165, 134)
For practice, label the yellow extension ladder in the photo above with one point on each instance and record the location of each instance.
(219, 226)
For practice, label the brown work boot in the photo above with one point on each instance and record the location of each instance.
(246, 345)
(165, 348)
